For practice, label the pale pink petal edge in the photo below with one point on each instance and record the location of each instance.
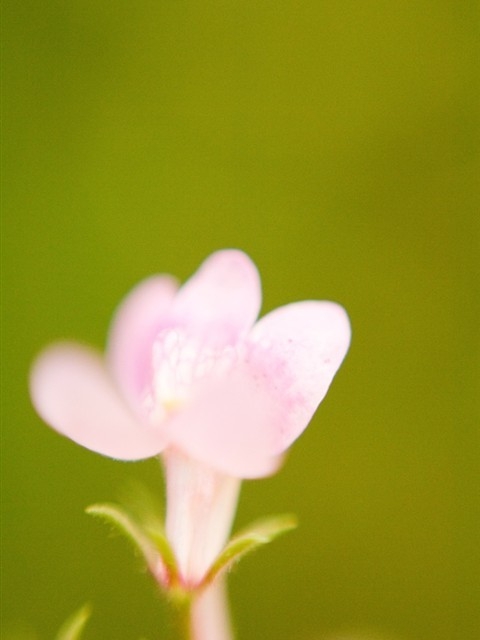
(296, 351)
(73, 393)
(223, 297)
(137, 321)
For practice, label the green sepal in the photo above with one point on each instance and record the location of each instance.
(152, 544)
(72, 629)
(254, 536)
(163, 547)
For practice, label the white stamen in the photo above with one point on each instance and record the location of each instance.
(178, 360)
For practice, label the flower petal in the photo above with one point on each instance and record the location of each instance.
(227, 424)
(241, 422)
(72, 392)
(133, 331)
(296, 351)
(222, 299)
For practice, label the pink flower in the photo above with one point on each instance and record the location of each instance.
(189, 374)
(187, 368)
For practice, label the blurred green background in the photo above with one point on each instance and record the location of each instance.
(336, 143)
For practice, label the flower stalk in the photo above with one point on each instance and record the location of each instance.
(209, 614)
(204, 614)
(201, 505)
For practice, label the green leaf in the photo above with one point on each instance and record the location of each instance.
(152, 545)
(164, 549)
(254, 536)
(73, 627)
(143, 506)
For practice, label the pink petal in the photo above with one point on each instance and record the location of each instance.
(223, 426)
(72, 392)
(134, 328)
(222, 299)
(296, 350)
(242, 421)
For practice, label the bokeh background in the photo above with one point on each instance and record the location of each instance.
(337, 143)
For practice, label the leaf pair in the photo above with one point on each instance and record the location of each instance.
(152, 544)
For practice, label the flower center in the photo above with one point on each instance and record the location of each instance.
(178, 361)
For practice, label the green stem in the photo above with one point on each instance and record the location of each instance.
(183, 608)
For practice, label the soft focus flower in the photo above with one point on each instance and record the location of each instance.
(188, 368)
(190, 374)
